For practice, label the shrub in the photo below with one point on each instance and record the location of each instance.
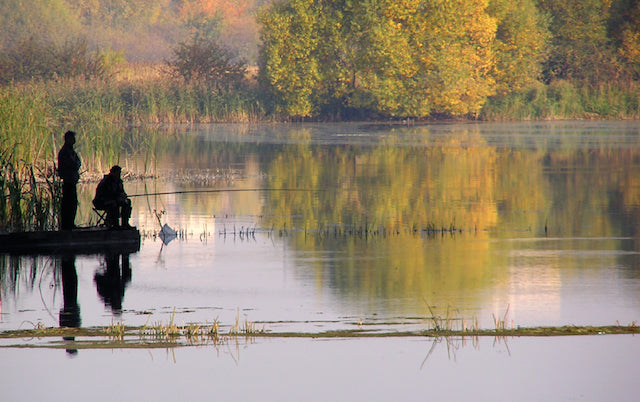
(40, 59)
(206, 61)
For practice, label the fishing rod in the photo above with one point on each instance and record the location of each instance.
(225, 190)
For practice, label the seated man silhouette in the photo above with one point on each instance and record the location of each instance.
(110, 197)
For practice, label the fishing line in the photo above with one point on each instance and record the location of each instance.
(225, 190)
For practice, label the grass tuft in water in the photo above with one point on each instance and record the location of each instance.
(501, 323)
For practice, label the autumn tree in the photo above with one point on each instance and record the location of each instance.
(453, 44)
(625, 30)
(403, 58)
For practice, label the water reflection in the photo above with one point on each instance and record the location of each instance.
(110, 285)
(112, 281)
(549, 215)
(30, 285)
(70, 312)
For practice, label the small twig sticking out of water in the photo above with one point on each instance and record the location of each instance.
(158, 214)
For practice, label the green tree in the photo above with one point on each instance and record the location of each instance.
(289, 71)
(385, 70)
(408, 58)
(522, 39)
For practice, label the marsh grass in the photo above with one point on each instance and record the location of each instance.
(566, 100)
(364, 230)
(35, 114)
(192, 333)
(199, 334)
(500, 323)
(247, 328)
(30, 197)
(116, 331)
(449, 328)
(452, 322)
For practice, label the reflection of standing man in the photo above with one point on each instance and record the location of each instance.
(69, 170)
(70, 311)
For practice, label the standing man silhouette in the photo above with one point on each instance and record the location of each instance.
(69, 170)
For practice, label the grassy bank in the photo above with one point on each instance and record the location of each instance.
(35, 114)
(109, 116)
(564, 100)
(113, 114)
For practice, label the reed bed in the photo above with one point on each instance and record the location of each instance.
(563, 100)
(193, 333)
(105, 114)
(35, 114)
(30, 197)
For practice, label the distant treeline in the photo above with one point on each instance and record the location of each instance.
(330, 60)
(145, 30)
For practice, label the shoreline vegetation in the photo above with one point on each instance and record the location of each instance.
(104, 111)
(136, 105)
(292, 61)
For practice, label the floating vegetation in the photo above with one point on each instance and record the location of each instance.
(118, 335)
(194, 333)
(338, 231)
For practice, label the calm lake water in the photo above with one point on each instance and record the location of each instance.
(316, 227)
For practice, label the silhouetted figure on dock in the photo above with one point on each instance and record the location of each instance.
(110, 197)
(69, 170)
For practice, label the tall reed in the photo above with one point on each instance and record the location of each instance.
(29, 200)
(566, 100)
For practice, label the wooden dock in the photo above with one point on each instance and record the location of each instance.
(92, 240)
